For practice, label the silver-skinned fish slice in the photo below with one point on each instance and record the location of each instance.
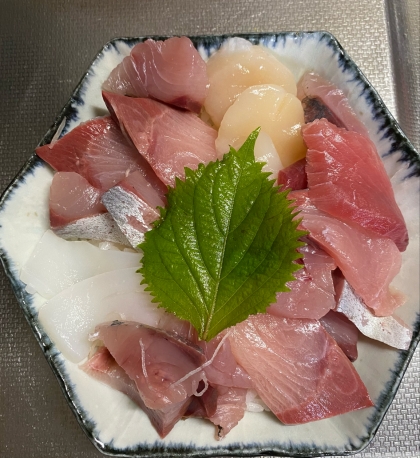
(133, 204)
(390, 330)
(76, 211)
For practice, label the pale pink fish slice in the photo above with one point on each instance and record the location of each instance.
(312, 294)
(224, 370)
(171, 71)
(348, 180)
(231, 406)
(368, 262)
(165, 368)
(168, 138)
(328, 101)
(103, 367)
(76, 210)
(297, 368)
(98, 151)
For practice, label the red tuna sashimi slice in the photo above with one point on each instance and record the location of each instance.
(168, 138)
(390, 330)
(297, 368)
(171, 71)
(133, 205)
(103, 367)
(312, 294)
(293, 176)
(76, 210)
(343, 331)
(99, 152)
(347, 179)
(313, 86)
(161, 365)
(369, 263)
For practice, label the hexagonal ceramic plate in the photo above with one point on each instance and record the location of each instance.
(113, 422)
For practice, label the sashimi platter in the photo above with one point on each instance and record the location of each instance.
(217, 247)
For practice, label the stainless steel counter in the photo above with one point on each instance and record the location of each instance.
(45, 46)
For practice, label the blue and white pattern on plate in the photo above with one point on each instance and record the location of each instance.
(114, 424)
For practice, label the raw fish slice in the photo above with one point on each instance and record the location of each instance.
(165, 368)
(390, 330)
(314, 86)
(133, 205)
(312, 294)
(294, 176)
(203, 406)
(231, 406)
(99, 152)
(72, 198)
(171, 71)
(76, 210)
(169, 139)
(369, 263)
(71, 315)
(224, 370)
(297, 368)
(103, 367)
(277, 112)
(343, 331)
(99, 227)
(348, 180)
(56, 264)
(183, 328)
(236, 66)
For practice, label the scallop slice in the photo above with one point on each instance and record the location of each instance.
(277, 112)
(69, 317)
(265, 151)
(56, 264)
(237, 66)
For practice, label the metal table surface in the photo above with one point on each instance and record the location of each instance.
(45, 47)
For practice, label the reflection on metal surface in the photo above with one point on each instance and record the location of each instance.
(403, 25)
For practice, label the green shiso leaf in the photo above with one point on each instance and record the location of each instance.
(224, 245)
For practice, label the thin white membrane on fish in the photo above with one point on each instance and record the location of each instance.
(69, 317)
(56, 264)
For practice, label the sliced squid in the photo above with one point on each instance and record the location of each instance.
(56, 264)
(69, 317)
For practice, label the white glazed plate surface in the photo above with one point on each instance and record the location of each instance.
(114, 424)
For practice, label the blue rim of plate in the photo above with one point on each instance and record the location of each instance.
(389, 129)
